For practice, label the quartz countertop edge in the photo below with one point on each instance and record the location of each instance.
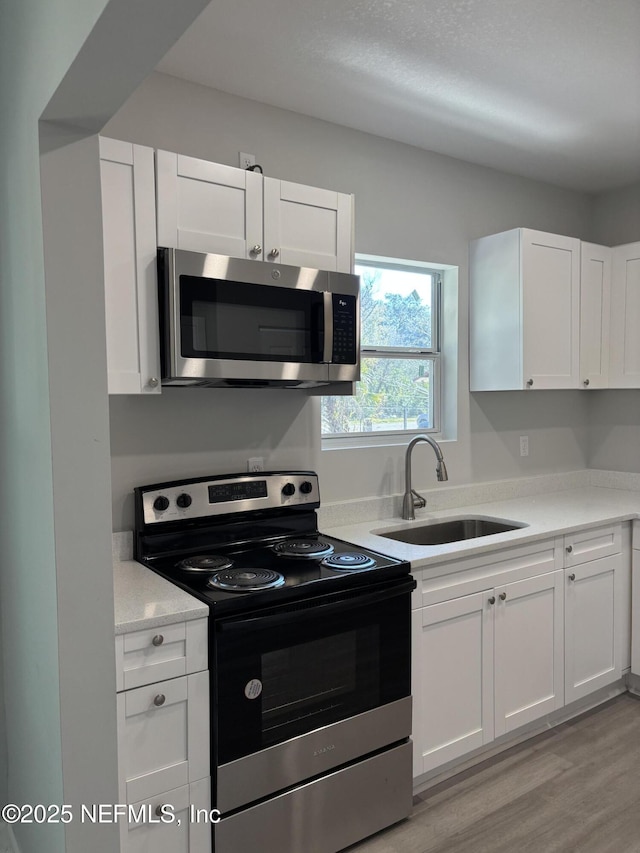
(143, 599)
(545, 516)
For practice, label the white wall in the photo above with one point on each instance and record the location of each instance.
(409, 204)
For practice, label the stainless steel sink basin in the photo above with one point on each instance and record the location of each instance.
(452, 530)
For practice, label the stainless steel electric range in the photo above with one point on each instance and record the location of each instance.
(309, 658)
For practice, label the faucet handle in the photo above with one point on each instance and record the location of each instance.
(418, 500)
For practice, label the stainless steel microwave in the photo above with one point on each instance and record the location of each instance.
(229, 322)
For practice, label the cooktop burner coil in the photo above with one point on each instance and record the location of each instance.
(349, 561)
(245, 580)
(311, 549)
(205, 563)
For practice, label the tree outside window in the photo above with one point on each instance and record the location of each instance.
(398, 390)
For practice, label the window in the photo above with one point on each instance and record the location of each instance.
(400, 348)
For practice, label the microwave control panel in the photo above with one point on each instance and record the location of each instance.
(345, 338)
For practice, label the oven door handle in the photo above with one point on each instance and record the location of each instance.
(297, 610)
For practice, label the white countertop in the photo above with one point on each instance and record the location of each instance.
(545, 515)
(145, 600)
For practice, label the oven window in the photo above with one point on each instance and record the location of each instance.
(234, 320)
(296, 688)
(301, 668)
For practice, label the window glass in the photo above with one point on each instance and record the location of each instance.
(395, 307)
(399, 389)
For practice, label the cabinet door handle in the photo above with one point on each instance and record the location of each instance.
(503, 596)
(158, 640)
(492, 600)
(274, 253)
(569, 549)
(530, 383)
(159, 700)
(153, 382)
(255, 250)
(159, 810)
(572, 577)
(586, 382)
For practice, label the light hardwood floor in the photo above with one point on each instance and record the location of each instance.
(574, 789)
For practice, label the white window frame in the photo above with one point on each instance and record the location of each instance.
(432, 353)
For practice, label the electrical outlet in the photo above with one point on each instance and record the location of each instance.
(247, 160)
(524, 445)
(255, 464)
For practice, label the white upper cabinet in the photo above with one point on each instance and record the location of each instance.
(524, 311)
(624, 367)
(307, 226)
(209, 207)
(595, 299)
(129, 237)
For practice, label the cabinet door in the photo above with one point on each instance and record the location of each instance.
(624, 367)
(592, 626)
(163, 736)
(550, 310)
(529, 663)
(208, 207)
(131, 297)
(452, 679)
(307, 226)
(149, 834)
(595, 298)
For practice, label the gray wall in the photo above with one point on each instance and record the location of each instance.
(29, 72)
(616, 216)
(409, 204)
(58, 731)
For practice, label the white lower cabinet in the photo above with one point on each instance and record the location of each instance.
(452, 679)
(529, 651)
(485, 664)
(163, 739)
(595, 602)
(505, 640)
(172, 823)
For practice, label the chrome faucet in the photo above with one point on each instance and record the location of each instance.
(411, 498)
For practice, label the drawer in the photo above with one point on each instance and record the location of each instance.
(163, 736)
(592, 543)
(188, 832)
(156, 654)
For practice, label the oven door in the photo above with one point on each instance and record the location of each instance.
(308, 686)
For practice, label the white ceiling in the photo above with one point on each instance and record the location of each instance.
(549, 89)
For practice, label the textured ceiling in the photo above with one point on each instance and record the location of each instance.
(549, 89)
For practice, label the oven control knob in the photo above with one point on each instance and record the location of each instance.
(288, 489)
(183, 500)
(306, 487)
(161, 503)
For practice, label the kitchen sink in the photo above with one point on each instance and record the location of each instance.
(452, 530)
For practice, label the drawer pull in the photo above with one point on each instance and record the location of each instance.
(503, 596)
(159, 700)
(158, 640)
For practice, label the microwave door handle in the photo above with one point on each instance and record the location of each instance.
(327, 353)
